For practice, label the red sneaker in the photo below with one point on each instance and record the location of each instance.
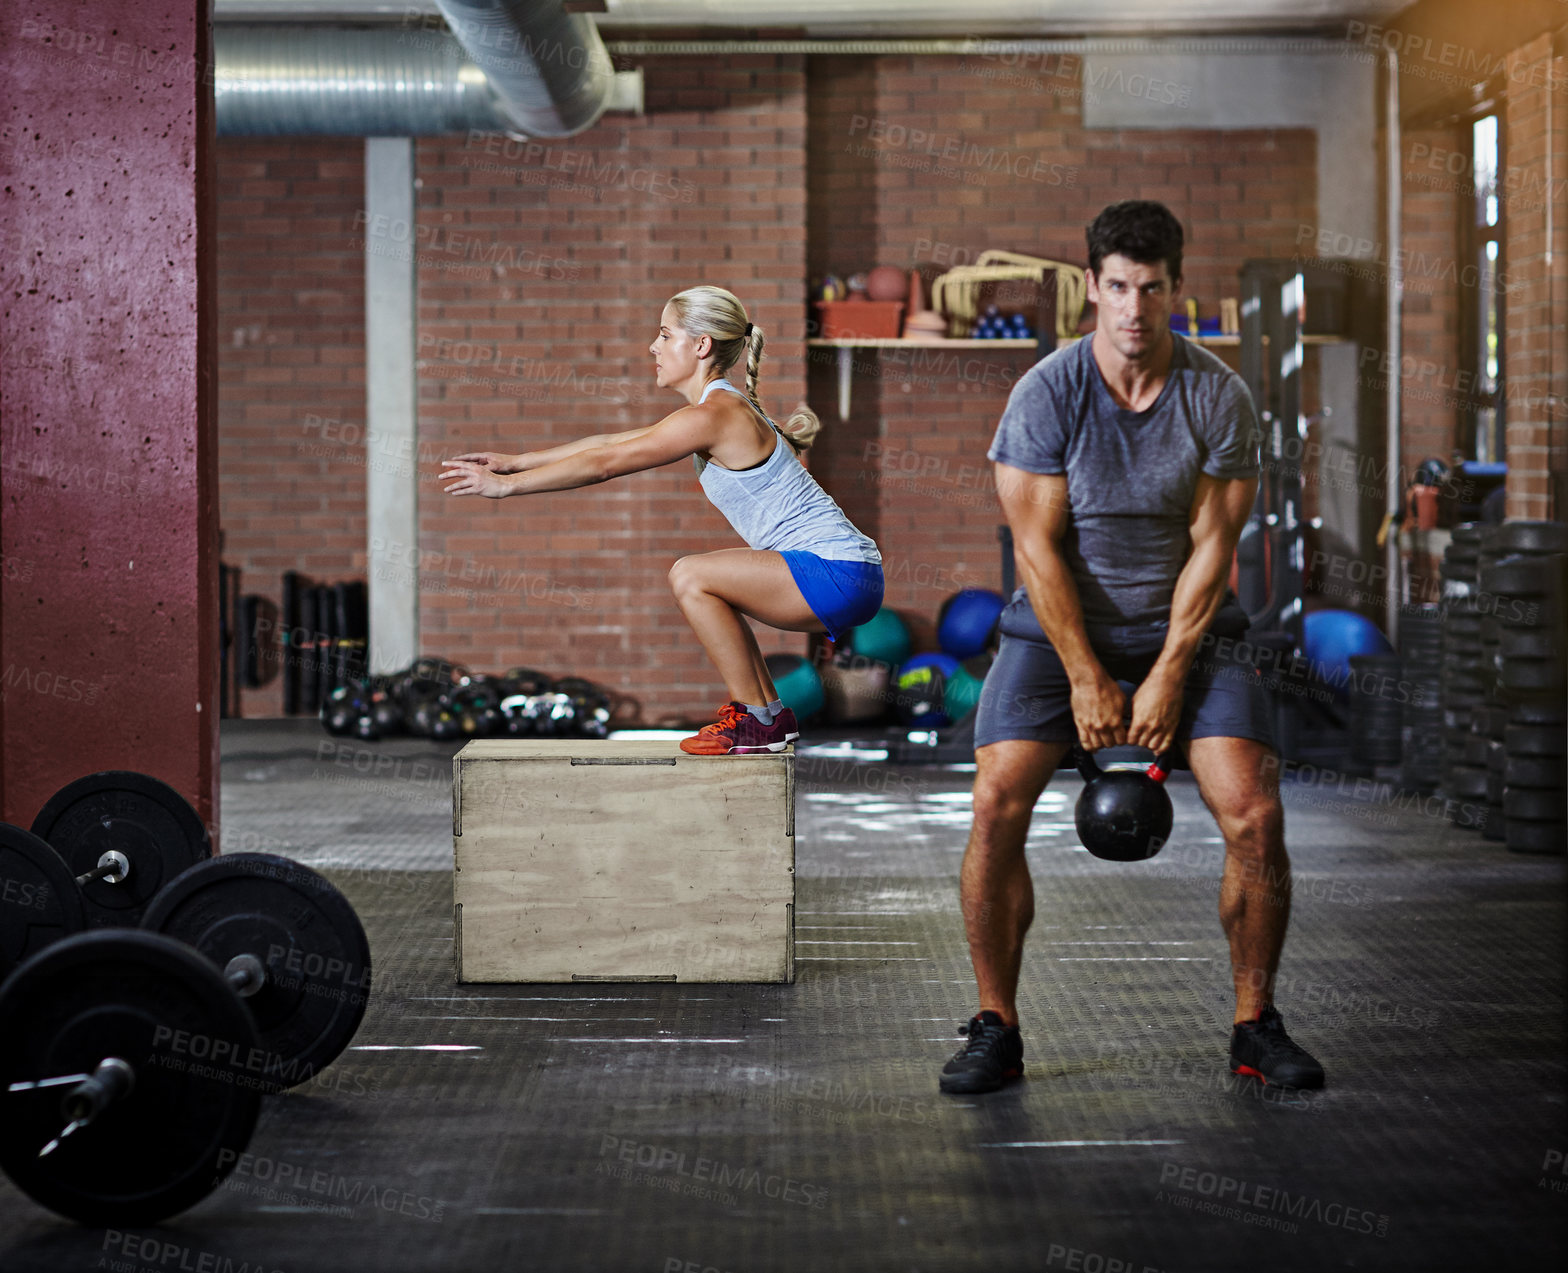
(786, 719)
(737, 732)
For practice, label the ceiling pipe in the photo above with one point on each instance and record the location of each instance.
(273, 79)
(548, 67)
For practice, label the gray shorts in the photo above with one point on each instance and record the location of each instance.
(1027, 696)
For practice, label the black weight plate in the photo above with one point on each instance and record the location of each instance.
(1532, 674)
(39, 900)
(1467, 815)
(1492, 823)
(1535, 805)
(1535, 771)
(1494, 788)
(163, 1009)
(1532, 537)
(1488, 721)
(1467, 783)
(1553, 711)
(1520, 577)
(147, 820)
(1543, 613)
(301, 929)
(1536, 837)
(1529, 643)
(1535, 740)
(1475, 750)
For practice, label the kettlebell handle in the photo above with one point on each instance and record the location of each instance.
(1089, 769)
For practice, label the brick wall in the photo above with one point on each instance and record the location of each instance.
(1430, 401)
(541, 274)
(1013, 168)
(291, 353)
(585, 240)
(1536, 347)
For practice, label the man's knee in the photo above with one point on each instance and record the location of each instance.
(998, 802)
(1253, 825)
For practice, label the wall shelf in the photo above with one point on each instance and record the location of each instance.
(1219, 339)
(899, 342)
(848, 344)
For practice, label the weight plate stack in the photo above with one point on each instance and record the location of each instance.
(1461, 683)
(1527, 588)
(1486, 737)
(1421, 714)
(1496, 756)
(1375, 699)
(1535, 775)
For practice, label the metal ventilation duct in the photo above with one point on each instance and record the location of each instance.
(549, 68)
(545, 79)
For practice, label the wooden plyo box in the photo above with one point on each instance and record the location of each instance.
(589, 860)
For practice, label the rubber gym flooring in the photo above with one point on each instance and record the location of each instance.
(748, 1128)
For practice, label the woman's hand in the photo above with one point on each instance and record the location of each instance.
(469, 477)
(492, 460)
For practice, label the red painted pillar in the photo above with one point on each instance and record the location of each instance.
(108, 467)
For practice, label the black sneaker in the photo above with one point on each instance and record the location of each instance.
(1262, 1049)
(994, 1053)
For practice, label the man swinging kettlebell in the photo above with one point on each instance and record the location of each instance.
(1123, 815)
(1126, 465)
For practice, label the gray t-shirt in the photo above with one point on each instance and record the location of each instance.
(1131, 476)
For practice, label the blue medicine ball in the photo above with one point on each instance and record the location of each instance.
(920, 688)
(1331, 637)
(966, 620)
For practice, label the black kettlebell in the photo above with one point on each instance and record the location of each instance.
(1123, 815)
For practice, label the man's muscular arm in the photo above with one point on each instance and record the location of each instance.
(1036, 508)
(1220, 509)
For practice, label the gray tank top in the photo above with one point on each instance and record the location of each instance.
(777, 505)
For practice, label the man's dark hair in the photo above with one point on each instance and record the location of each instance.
(1142, 230)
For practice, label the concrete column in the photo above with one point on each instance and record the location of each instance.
(391, 403)
(108, 434)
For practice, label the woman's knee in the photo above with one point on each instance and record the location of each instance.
(685, 576)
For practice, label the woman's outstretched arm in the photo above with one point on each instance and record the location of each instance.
(678, 435)
(538, 459)
(500, 462)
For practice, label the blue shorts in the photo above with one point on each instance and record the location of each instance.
(843, 594)
(1026, 694)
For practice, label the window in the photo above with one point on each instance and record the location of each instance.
(1481, 424)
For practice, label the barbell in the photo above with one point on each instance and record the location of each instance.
(131, 1073)
(282, 937)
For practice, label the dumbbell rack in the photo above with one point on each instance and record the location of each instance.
(326, 636)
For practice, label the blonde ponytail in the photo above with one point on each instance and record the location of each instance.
(802, 427)
(714, 312)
